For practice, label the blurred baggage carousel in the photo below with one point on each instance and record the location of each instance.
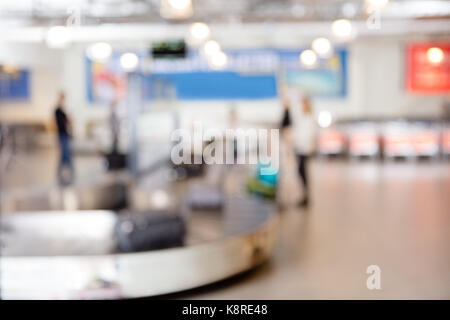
(67, 249)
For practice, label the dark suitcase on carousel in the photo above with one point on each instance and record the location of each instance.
(145, 231)
(116, 161)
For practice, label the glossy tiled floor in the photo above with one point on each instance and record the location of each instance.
(395, 215)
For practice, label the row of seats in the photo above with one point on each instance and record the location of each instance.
(388, 138)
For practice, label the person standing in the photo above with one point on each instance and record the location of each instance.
(115, 127)
(304, 137)
(286, 118)
(65, 166)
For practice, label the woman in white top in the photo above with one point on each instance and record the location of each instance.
(304, 138)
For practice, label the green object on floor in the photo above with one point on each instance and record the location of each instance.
(257, 186)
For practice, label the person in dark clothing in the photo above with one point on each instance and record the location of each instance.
(115, 127)
(286, 120)
(65, 167)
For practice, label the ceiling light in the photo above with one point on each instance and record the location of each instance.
(176, 9)
(199, 31)
(342, 28)
(435, 55)
(324, 119)
(211, 47)
(129, 61)
(377, 3)
(179, 4)
(322, 47)
(308, 58)
(57, 37)
(100, 51)
(218, 60)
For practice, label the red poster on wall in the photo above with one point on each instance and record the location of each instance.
(428, 68)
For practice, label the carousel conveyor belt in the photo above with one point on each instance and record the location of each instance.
(71, 254)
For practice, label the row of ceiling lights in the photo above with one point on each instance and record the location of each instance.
(200, 34)
(211, 49)
(217, 59)
(183, 8)
(57, 37)
(342, 29)
(321, 47)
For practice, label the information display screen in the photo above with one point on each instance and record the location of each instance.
(172, 49)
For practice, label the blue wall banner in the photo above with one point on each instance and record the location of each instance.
(14, 85)
(218, 85)
(328, 79)
(249, 74)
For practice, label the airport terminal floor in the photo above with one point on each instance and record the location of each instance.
(357, 220)
(393, 214)
(226, 149)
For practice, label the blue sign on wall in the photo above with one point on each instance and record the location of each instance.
(328, 79)
(15, 86)
(249, 74)
(218, 85)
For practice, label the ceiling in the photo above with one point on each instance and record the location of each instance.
(94, 12)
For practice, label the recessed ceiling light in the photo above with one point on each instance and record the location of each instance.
(324, 119)
(377, 3)
(342, 28)
(99, 51)
(322, 46)
(308, 58)
(57, 37)
(179, 4)
(211, 47)
(218, 60)
(129, 61)
(199, 31)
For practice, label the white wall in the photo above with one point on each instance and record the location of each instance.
(378, 83)
(45, 81)
(375, 87)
